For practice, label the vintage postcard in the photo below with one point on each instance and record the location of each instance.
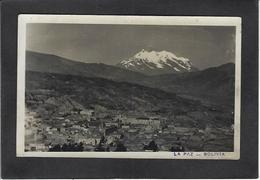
(158, 87)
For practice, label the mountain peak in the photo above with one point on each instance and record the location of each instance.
(157, 62)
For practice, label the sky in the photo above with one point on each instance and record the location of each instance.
(205, 46)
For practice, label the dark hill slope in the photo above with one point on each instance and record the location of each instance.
(215, 84)
(103, 92)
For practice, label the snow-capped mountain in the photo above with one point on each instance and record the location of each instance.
(154, 62)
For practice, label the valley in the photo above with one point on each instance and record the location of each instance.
(77, 113)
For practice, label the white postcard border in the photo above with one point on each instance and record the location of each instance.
(23, 19)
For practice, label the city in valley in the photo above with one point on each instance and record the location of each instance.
(137, 105)
(101, 129)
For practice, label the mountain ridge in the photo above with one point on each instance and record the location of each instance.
(214, 83)
(42, 62)
(157, 62)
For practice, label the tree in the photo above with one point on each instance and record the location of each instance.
(120, 147)
(151, 146)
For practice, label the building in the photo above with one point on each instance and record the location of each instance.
(92, 141)
(125, 127)
(109, 124)
(87, 112)
(67, 120)
(59, 118)
(119, 118)
(36, 147)
(151, 121)
(171, 126)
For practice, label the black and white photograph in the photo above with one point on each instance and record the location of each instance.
(128, 86)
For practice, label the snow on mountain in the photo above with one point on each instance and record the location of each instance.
(154, 62)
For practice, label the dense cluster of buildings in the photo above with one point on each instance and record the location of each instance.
(134, 129)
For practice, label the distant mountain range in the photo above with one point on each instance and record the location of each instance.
(157, 62)
(41, 62)
(214, 84)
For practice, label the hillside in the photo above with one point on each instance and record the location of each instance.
(41, 62)
(58, 107)
(214, 84)
(103, 92)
